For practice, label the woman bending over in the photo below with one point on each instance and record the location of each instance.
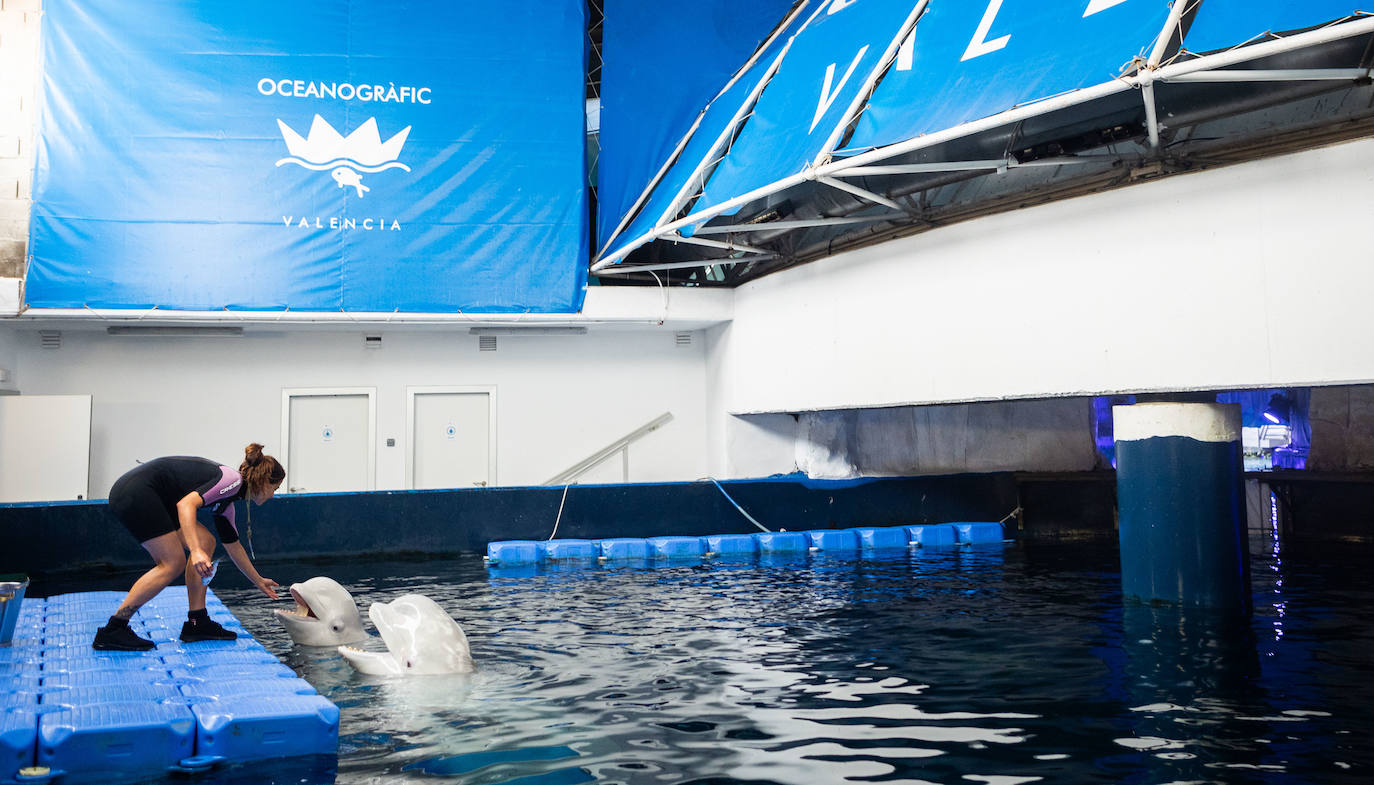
(157, 502)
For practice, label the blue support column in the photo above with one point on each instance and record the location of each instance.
(1181, 504)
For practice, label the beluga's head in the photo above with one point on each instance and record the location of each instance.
(325, 614)
(420, 638)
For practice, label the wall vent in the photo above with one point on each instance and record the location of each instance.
(486, 343)
(682, 339)
(50, 339)
(372, 341)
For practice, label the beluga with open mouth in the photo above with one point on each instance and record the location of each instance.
(325, 614)
(421, 639)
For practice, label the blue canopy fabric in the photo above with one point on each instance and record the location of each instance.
(716, 118)
(413, 155)
(830, 61)
(971, 60)
(660, 66)
(1221, 24)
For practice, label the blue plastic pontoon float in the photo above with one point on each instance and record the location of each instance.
(69, 711)
(666, 551)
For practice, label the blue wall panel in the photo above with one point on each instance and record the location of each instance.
(662, 63)
(418, 155)
(973, 60)
(1221, 24)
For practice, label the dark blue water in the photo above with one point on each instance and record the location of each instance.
(999, 665)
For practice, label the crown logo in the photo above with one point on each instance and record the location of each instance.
(347, 157)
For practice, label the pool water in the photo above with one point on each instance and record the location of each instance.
(993, 664)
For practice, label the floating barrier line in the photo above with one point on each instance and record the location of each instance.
(685, 549)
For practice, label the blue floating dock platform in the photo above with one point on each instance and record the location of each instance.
(675, 548)
(934, 536)
(668, 551)
(978, 533)
(108, 716)
(834, 540)
(732, 545)
(878, 538)
(624, 549)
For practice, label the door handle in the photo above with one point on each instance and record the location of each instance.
(481, 483)
(294, 489)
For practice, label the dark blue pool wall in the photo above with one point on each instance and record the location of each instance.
(54, 537)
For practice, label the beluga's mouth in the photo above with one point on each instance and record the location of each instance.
(325, 614)
(302, 607)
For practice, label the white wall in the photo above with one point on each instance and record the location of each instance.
(1251, 275)
(558, 398)
(9, 362)
(747, 445)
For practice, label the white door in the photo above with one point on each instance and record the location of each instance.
(329, 441)
(45, 447)
(452, 438)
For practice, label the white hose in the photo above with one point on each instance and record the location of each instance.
(741, 509)
(560, 510)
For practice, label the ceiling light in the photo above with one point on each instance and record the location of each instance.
(512, 330)
(178, 331)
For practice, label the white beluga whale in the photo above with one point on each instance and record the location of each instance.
(421, 639)
(325, 614)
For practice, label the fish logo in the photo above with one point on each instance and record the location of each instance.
(344, 157)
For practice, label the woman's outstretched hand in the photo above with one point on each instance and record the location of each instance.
(201, 561)
(268, 587)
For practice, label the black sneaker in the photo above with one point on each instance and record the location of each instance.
(120, 638)
(205, 630)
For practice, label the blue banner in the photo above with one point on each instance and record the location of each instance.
(718, 117)
(1221, 24)
(970, 60)
(826, 67)
(661, 64)
(412, 155)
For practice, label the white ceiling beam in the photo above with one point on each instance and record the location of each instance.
(973, 166)
(677, 238)
(626, 269)
(944, 166)
(797, 224)
(860, 192)
(1147, 93)
(1273, 75)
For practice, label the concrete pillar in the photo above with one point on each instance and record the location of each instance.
(1181, 504)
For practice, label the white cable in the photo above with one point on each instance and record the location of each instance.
(560, 510)
(741, 509)
(664, 290)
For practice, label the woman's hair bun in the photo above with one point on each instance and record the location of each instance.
(252, 453)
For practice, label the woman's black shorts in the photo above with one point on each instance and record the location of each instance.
(141, 509)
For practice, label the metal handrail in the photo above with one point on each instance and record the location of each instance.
(570, 475)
